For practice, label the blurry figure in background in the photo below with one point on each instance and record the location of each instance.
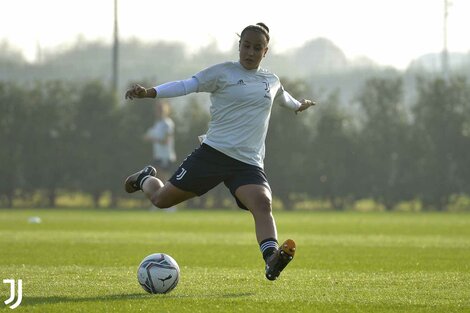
(162, 137)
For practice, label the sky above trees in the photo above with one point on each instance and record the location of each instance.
(391, 32)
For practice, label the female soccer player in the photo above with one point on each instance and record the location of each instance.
(232, 152)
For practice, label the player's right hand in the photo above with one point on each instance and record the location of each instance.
(137, 91)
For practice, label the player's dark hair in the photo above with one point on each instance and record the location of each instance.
(259, 27)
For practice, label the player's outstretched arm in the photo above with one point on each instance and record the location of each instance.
(304, 105)
(167, 90)
(137, 91)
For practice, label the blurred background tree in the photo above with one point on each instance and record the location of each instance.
(377, 133)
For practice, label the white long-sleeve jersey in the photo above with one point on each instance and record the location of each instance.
(241, 102)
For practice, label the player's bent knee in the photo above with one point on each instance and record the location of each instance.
(256, 198)
(263, 205)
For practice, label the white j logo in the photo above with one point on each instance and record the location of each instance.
(181, 174)
(12, 292)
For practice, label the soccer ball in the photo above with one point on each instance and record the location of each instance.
(158, 273)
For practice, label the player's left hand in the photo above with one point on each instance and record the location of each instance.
(304, 105)
(137, 91)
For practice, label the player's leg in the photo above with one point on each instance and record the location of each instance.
(192, 178)
(258, 199)
(162, 196)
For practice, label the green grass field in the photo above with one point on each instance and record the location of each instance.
(86, 261)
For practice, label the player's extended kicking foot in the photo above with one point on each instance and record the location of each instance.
(279, 259)
(134, 182)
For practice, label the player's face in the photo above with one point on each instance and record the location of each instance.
(253, 47)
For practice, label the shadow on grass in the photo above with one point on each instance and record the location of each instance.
(64, 299)
(32, 301)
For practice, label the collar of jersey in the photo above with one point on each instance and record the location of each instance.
(255, 70)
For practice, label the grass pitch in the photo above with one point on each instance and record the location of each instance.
(86, 261)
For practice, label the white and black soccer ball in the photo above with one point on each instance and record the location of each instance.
(158, 273)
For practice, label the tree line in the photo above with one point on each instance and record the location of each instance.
(59, 136)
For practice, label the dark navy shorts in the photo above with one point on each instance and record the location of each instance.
(206, 167)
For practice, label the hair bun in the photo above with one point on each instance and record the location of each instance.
(264, 26)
